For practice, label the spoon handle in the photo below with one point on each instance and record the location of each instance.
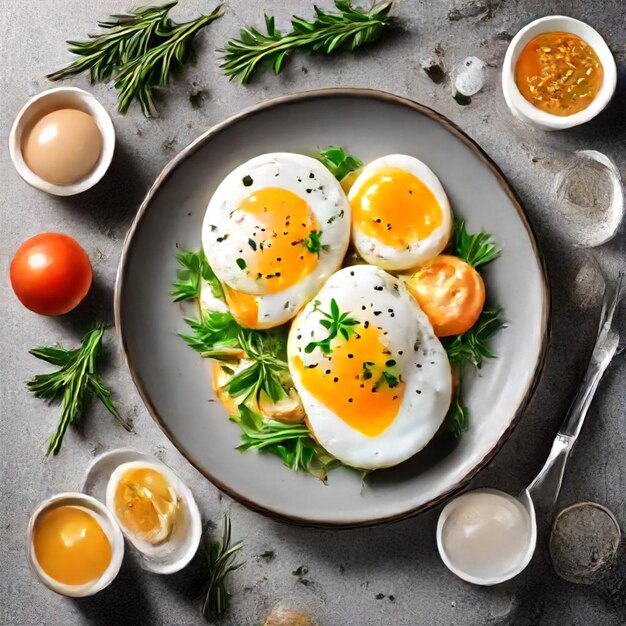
(546, 486)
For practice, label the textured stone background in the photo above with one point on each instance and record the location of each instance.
(346, 569)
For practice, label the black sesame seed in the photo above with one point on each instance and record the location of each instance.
(308, 190)
(418, 391)
(390, 363)
(363, 308)
(378, 288)
(327, 372)
(349, 399)
(418, 365)
(377, 312)
(351, 356)
(335, 380)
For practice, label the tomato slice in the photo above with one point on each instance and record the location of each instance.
(450, 292)
(50, 274)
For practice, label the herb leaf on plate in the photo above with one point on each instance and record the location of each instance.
(477, 249)
(457, 418)
(336, 322)
(193, 268)
(349, 27)
(73, 384)
(471, 346)
(339, 162)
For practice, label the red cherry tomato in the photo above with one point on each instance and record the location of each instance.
(50, 274)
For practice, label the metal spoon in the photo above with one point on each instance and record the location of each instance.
(543, 491)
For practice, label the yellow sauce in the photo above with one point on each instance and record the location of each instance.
(70, 545)
(63, 147)
(559, 73)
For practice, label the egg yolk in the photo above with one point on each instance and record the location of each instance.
(243, 306)
(279, 254)
(145, 505)
(350, 381)
(70, 545)
(396, 208)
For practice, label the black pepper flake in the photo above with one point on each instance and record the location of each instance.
(395, 398)
(312, 365)
(392, 598)
(335, 380)
(327, 372)
(308, 190)
(380, 596)
(366, 324)
(390, 310)
(388, 226)
(378, 221)
(299, 337)
(286, 305)
(351, 356)
(390, 363)
(279, 259)
(378, 288)
(351, 273)
(299, 179)
(247, 181)
(377, 312)
(400, 352)
(418, 365)
(363, 307)
(418, 391)
(311, 175)
(349, 399)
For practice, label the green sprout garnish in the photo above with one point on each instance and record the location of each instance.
(336, 323)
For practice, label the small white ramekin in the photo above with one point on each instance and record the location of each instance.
(44, 103)
(110, 528)
(524, 110)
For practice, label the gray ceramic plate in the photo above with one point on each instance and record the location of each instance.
(174, 382)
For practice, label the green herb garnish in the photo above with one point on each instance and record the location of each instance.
(215, 335)
(350, 27)
(140, 52)
(194, 268)
(73, 384)
(336, 323)
(313, 243)
(471, 346)
(291, 442)
(339, 162)
(457, 418)
(221, 562)
(477, 249)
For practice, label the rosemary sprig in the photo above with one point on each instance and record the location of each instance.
(73, 384)
(140, 51)
(471, 346)
(129, 36)
(138, 78)
(336, 323)
(339, 162)
(221, 562)
(477, 249)
(350, 27)
(194, 268)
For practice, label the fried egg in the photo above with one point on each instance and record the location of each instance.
(275, 229)
(401, 216)
(376, 387)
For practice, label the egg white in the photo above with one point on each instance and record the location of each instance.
(415, 253)
(421, 359)
(296, 173)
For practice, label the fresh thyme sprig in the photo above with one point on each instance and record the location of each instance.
(339, 162)
(73, 384)
(477, 249)
(350, 27)
(221, 562)
(140, 51)
(471, 346)
(194, 268)
(336, 323)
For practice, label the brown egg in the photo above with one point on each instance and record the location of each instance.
(63, 147)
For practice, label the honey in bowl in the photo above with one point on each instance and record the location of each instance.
(63, 147)
(70, 545)
(559, 73)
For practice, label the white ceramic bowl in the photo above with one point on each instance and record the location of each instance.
(44, 103)
(524, 110)
(110, 528)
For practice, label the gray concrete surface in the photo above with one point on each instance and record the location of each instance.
(348, 569)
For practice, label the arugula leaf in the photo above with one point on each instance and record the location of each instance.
(338, 161)
(471, 346)
(336, 323)
(477, 249)
(194, 267)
